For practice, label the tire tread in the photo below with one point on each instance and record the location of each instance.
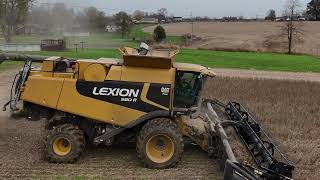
(167, 126)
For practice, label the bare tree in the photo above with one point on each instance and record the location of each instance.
(271, 15)
(62, 16)
(95, 19)
(124, 22)
(163, 12)
(292, 28)
(313, 10)
(12, 12)
(138, 15)
(41, 16)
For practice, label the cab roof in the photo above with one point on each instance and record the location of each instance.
(194, 68)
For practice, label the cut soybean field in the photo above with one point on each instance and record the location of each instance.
(286, 108)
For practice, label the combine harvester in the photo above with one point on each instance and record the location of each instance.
(145, 97)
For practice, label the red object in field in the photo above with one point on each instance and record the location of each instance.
(53, 45)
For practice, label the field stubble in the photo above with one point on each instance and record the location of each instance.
(289, 110)
(247, 36)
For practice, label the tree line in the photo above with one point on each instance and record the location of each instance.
(12, 13)
(15, 13)
(313, 10)
(311, 13)
(53, 18)
(60, 16)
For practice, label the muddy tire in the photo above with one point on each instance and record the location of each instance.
(160, 144)
(64, 144)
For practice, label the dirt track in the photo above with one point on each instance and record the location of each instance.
(313, 77)
(21, 155)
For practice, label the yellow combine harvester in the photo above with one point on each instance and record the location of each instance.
(146, 98)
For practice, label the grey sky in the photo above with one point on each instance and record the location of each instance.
(211, 8)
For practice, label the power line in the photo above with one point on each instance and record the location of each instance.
(192, 24)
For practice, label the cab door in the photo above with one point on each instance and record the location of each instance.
(188, 86)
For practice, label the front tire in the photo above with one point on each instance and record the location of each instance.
(65, 144)
(160, 144)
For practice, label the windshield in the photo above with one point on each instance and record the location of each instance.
(187, 89)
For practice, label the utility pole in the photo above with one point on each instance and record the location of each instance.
(82, 45)
(192, 24)
(76, 47)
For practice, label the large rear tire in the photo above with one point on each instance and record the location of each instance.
(65, 144)
(160, 144)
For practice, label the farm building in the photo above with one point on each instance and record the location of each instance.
(149, 21)
(53, 45)
(177, 19)
(111, 28)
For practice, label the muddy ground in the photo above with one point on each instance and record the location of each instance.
(287, 108)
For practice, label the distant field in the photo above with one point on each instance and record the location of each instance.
(246, 36)
(138, 33)
(218, 59)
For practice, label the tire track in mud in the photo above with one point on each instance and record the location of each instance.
(21, 155)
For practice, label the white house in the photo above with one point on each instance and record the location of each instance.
(111, 28)
(148, 21)
(177, 19)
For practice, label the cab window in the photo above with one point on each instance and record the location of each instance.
(187, 89)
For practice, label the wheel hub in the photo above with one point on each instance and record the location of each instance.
(160, 144)
(160, 148)
(61, 146)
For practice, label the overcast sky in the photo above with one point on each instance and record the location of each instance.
(211, 8)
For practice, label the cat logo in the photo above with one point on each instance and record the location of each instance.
(165, 91)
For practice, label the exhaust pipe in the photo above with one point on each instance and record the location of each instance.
(23, 57)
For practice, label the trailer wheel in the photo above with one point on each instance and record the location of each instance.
(160, 144)
(65, 144)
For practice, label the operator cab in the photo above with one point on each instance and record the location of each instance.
(188, 86)
(189, 82)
